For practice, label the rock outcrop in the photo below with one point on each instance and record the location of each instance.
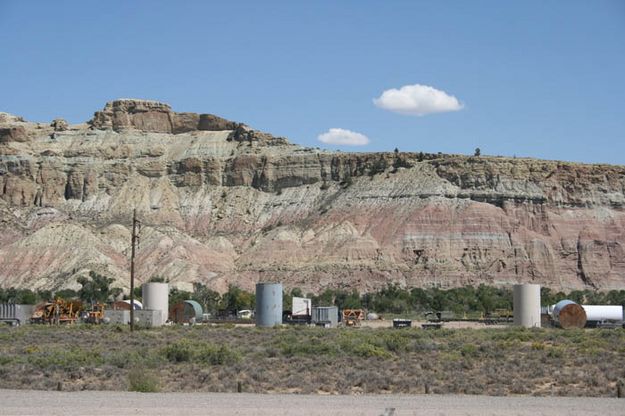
(152, 116)
(222, 203)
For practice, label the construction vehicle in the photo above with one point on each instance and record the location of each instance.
(353, 317)
(439, 316)
(96, 314)
(58, 312)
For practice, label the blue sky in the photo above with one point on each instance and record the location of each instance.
(534, 78)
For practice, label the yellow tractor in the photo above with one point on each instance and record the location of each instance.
(96, 314)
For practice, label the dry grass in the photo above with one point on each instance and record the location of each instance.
(312, 360)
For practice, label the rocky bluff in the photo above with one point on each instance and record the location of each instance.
(222, 203)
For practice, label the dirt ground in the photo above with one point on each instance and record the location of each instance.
(28, 402)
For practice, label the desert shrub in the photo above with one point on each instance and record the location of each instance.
(131, 359)
(143, 381)
(469, 350)
(297, 348)
(178, 352)
(555, 352)
(367, 350)
(65, 358)
(538, 346)
(395, 342)
(513, 335)
(218, 355)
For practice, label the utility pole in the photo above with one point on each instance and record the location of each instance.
(133, 242)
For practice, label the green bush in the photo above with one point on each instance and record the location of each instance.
(218, 355)
(469, 350)
(142, 381)
(65, 358)
(178, 352)
(367, 350)
(395, 342)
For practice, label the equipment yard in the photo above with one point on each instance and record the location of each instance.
(305, 360)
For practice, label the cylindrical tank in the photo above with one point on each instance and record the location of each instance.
(599, 313)
(268, 304)
(526, 305)
(156, 298)
(569, 314)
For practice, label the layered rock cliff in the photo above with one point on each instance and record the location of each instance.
(222, 203)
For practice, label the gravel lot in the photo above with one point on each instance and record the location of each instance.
(30, 402)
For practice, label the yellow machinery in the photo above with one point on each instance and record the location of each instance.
(58, 312)
(352, 317)
(96, 314)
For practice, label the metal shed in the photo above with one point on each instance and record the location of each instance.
(186, 312)
(326, 316)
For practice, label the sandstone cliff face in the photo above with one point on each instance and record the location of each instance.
(222, 203)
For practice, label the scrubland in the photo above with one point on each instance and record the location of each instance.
(492, 361)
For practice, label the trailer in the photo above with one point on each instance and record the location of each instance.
(16, 314)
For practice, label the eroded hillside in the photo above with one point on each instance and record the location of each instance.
(221, 203)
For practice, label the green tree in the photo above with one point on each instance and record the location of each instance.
(236, 299)
(96, 288)
(64, 294)
(209, 299)
(176, 296)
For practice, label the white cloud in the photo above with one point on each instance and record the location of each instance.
(417, 100)
(344, 137)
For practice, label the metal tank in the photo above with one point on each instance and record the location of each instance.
(526, 305)
(156, 297)
(569, 314)
(268, 304)
(603, 313)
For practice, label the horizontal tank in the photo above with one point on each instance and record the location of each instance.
(600, 313)
(569, 314)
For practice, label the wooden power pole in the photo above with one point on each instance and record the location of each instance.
(133, 242)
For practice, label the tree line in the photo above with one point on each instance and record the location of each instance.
(391, 299)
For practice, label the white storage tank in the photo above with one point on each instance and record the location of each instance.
(268, 304)
(156, 298)
(526, 305)
(603, 313)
